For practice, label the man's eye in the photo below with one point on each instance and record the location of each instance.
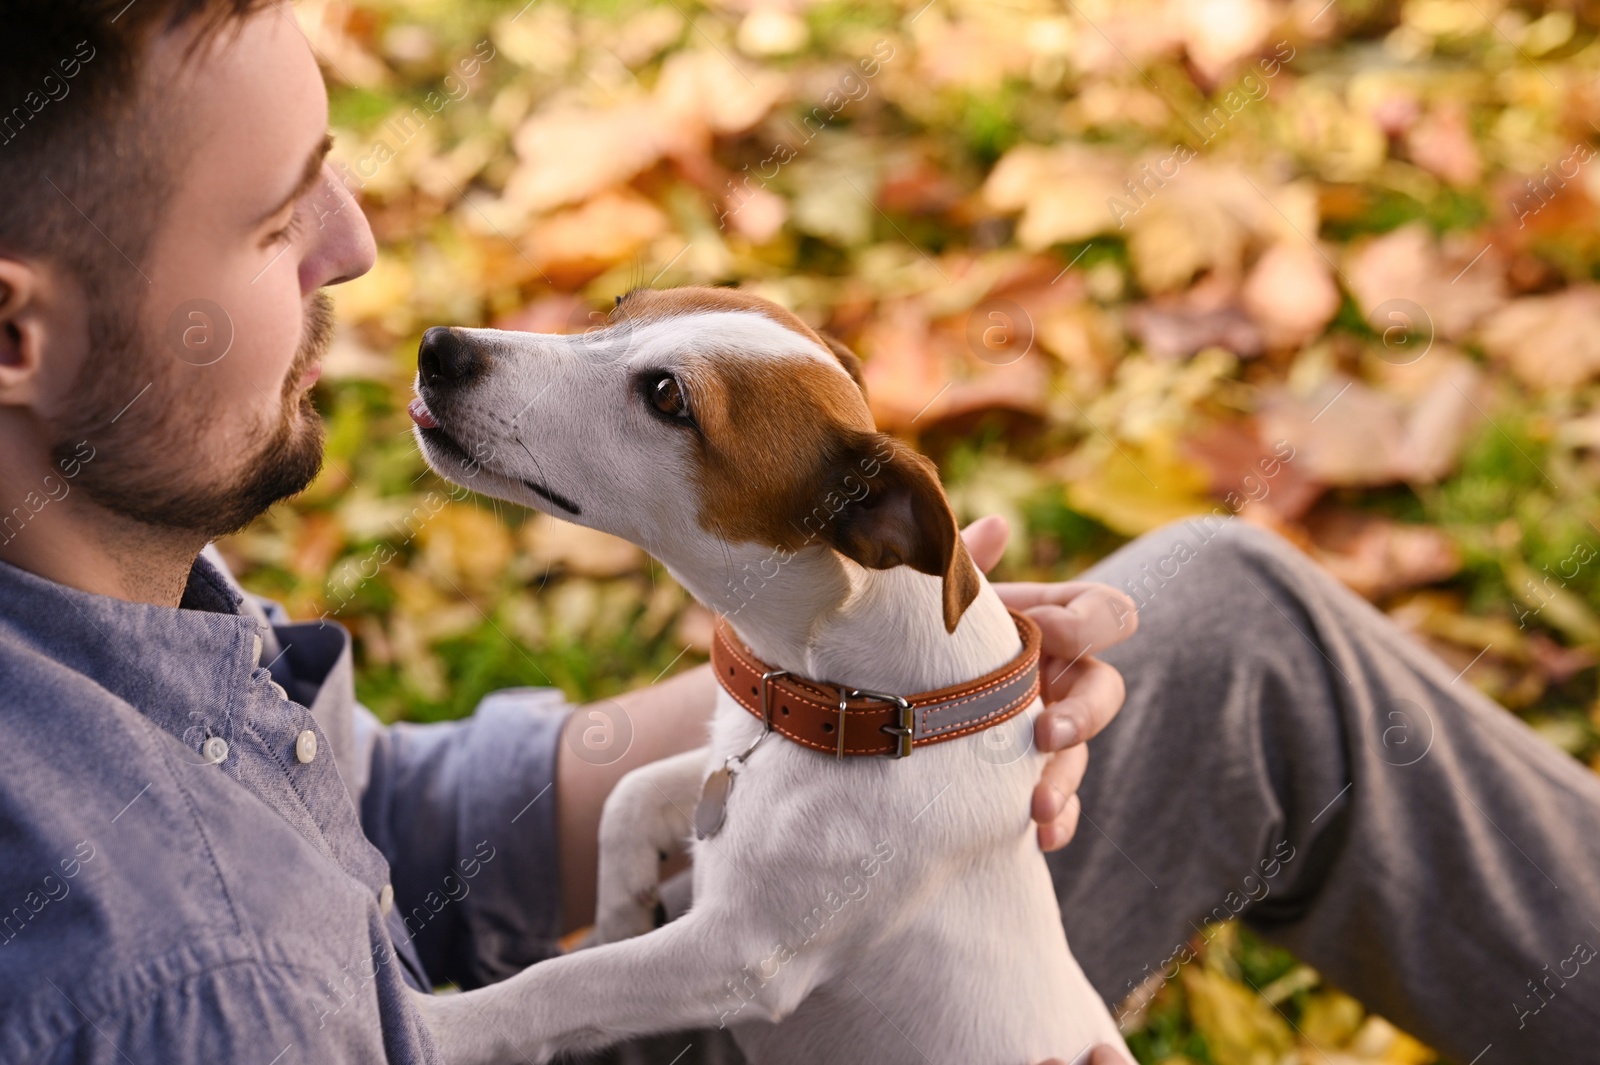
(287, 233)
(666, 396)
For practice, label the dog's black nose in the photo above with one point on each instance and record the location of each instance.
(445, 358)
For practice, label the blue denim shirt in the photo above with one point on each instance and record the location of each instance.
(187, 875)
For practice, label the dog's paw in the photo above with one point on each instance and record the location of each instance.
(644, 821)
(626, 916)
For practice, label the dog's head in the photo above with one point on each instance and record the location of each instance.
(696, 415)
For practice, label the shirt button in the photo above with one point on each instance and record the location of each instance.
(305, 747)
(255, 648)
(279, 689)
(386, 899)
(215, 749)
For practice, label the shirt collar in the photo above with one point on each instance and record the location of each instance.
(182, 666)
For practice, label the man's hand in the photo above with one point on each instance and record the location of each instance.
(1081, 693)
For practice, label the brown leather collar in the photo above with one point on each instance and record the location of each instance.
(847, 721)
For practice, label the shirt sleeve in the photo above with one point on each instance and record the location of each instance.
(465, 812)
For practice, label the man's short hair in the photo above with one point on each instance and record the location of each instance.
(82, 171)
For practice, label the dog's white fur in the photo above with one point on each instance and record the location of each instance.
(869, 910)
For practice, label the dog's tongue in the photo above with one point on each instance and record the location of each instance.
(421, 415)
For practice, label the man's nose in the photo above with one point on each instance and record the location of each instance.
(446, 359)
(342, 248)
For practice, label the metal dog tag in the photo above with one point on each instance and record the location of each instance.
(712, 808)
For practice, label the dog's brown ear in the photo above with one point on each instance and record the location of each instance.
(847, 359)
(902, 518)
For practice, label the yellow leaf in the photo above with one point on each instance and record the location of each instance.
(1136, 489)
(1330, 1018)
(466, 545)
(1381, 1041)
(578, 550)
(374, 294)
(1239, 1026)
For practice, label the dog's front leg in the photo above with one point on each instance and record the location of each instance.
(697, 972)
(647, 819)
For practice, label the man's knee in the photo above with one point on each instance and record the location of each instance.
(1207, 574)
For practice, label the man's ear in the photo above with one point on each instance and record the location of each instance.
(847, 359)
(904, 519)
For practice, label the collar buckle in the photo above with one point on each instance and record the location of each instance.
(903, 732)
(766, 714)
(766, 696)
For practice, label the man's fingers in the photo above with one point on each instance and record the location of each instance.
(1078, 704)
(1055, 802)
(1095, 619)
(1020, 595)
(1058, 783)
(1059, 833)
(986, 541)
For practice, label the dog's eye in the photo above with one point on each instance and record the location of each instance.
(666, 396)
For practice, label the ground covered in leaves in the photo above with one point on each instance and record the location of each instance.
(1327, 266)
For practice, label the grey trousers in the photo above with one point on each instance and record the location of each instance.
(1287, 756)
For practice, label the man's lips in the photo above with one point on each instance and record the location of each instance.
(421, 414)
(311, 376)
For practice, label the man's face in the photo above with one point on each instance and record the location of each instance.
(203, 418)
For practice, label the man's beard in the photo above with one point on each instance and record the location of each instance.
(145, 470)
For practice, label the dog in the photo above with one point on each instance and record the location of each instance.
(866, 883)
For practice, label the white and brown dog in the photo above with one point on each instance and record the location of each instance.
(866, 885)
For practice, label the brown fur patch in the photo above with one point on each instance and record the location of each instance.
(848, 359)
(789, 457)
(774, 439)
(652, 304)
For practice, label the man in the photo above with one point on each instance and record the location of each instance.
(211, 854)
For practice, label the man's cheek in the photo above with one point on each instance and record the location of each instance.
(255, 374)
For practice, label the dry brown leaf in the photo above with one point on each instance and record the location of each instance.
(1110, 34)
(1023, 386)
(1347, 432)
(1087, 339)
(1441, 418)
(1170, 330)
(568, 154)
(1062, 192)
(1210, 217)
(466, 544)
(974, 53)
(573, 246)
(1398, 275)
(1250, 474)
(560, 313)
(1549, 342)
(1377, 557)
(1442, 144)
(1291, 294)
(1343, 432)
(1182, 233)
(707, 88)
(1219, 33)
(902, 372)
